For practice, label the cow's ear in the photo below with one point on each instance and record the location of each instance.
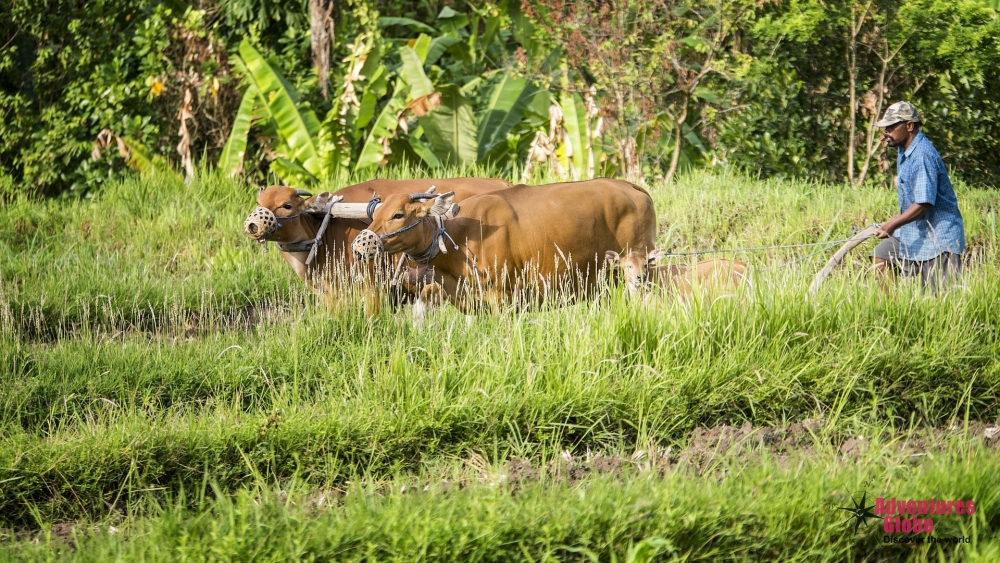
(318, 203)
(611, 256)
(260, 194)
(442, 204)
(654, 256)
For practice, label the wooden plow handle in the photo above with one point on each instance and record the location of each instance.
(838, 256)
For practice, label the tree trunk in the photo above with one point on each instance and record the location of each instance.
(852, 72)
(627, 150)
(853, 110)
(322, 33)
(678, 142)
(870, 144)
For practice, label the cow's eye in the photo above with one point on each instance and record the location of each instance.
(397, 216)
(287, 206)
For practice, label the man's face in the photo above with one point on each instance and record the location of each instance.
(895, 135)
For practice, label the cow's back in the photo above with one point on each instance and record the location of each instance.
(549, 224)
(463, 187)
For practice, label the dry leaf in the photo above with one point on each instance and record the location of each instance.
(184, 147)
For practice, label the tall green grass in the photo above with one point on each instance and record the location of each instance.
(148, 348)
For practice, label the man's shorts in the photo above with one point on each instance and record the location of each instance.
(934, 273)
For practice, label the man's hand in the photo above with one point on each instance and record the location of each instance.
(884, 230)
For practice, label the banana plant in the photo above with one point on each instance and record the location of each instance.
(432, 98)
(298, 130)
(507, 111)
(572, 155)
(231, 159)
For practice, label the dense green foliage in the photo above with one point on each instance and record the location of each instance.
(149, 350)
(788, 88)
(811, 58)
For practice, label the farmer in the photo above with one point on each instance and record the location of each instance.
(927, 237)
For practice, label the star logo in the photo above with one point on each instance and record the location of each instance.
(859, 512)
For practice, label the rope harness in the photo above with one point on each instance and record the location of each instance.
(312, 245)
(382, 238)
(437, 246)
(372, 204)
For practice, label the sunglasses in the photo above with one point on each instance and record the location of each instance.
(891, 128)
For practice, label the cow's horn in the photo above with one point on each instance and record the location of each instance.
(303, 193)
(417, 197)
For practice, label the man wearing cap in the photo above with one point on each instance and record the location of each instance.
(927, 237)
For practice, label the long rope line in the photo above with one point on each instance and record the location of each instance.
(756, 248)
(797, 260)
(824, 247)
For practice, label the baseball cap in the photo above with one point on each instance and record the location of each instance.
(899, 111)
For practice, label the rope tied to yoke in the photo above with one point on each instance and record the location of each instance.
(437, 245)
(312, 245)
(372, 204)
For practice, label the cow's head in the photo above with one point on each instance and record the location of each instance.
(278, 208)
(395, 223)
(634, 267)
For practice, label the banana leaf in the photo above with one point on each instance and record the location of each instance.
(384, 127)
(439, 45)
(298, 129)
(292, 173)
(492, 26)
(377, 87)
(412, 72)
(574, 116)
(451, 129)
(421, 46)
(141, 159)
(407, 22)
(508, 101)
(423, 151)
(231, 160)
(451, 21)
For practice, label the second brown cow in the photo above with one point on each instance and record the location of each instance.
(539, 243)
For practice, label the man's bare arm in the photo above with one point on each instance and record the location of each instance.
(910, 214)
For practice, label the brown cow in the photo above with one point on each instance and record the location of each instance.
(519, 242)
(291, 218)
(640, 272)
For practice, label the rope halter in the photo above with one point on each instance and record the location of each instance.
(367, 245)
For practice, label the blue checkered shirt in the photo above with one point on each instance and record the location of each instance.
(922, 178)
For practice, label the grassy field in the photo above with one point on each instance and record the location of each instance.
(170, 392)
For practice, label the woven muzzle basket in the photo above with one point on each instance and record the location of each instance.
(367, 246)
(260, 224)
